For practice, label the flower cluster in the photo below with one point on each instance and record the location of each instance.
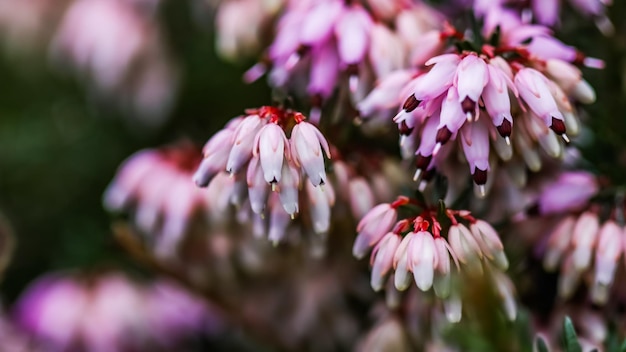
(546, 12)
(255, 151)
(477, 94)
(111, 314)
(319, 43)
(155, 184)
(580, 243)
(421, 245)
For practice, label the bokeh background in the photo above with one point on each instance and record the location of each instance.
(61, 144)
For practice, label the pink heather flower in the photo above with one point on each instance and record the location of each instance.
(475, 143)
(110, 313)
(260, 155)
(438, 79)
(258, 189)
(569, 78)
(157, 185)
(489, 243)
(272, 147)
(471, 78)
(306, 144)
(422, 259)
(534, 90)
(321, 201)
(497, 101)
(279, 220)
(386, 94)
(289, 188)
(441, 284)
(216, 154)
(584, 239)
(324, 71)
(318, 23)
(51, 309)
(387, 53)
(430, 44)
(374, 225)
(352, 31)
(558, 243)
(452, 117)
(362, 197)
(401, 278)
(465, 246)
(608, 250)
(382, 259)
(243, 143)
(569, 192)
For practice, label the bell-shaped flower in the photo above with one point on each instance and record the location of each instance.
(243, 143)
(422, 257)
(272, 147)
(471, 78)
(534, 90)
(306, 147)
(289, 187)
(374, 225)
(608, 250)
(475, 143)
(382, 259)
(258, 188)
(584, 239)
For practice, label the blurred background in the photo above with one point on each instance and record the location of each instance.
(60, 144)
(65, 129)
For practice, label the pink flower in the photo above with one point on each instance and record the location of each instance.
(438, 79)
(464, 245)
(422, 259)
(489, 243)
(216, 152)
(476, 147)
(496, 99)
(307, 143)
(374, 225)
(534, 90)
(608, 250)
(321, 201)
(353, 31)
(569, 192)
(471, 78)
(258, 188)
(243, 143)
(289, 187)
(558, 243)
(382, 259)
(272, 147)
(584, 239)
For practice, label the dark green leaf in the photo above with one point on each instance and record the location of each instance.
(541, 344)
(570, 339)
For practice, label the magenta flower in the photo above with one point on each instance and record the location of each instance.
(569, 192)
